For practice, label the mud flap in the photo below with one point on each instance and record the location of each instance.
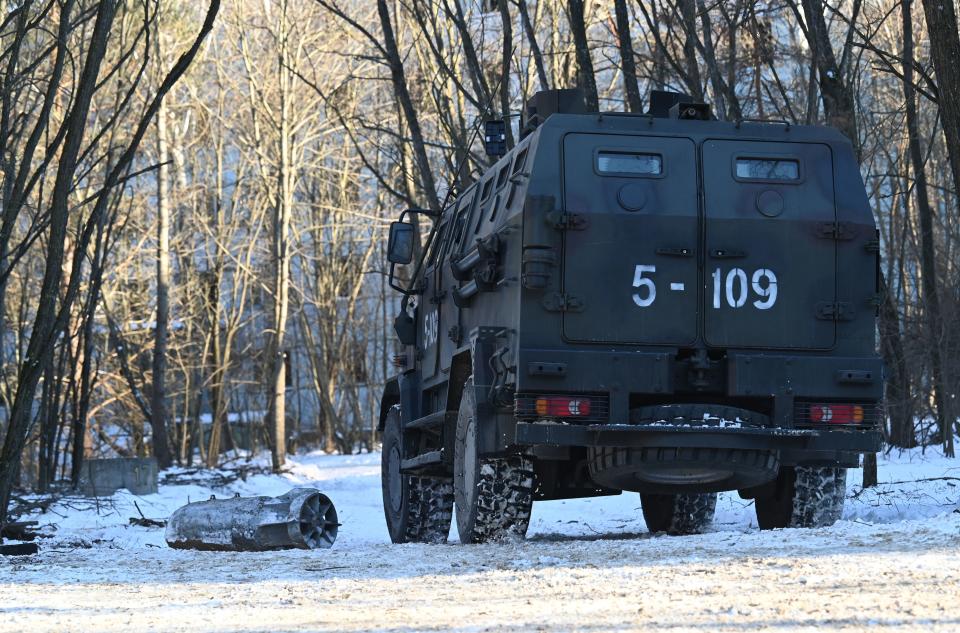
(390, 397)
(409, 387)
(495, 432)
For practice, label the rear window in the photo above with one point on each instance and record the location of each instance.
(632, 163)
(768, 169)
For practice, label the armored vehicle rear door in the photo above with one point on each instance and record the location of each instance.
(770, 273)
(630, 239)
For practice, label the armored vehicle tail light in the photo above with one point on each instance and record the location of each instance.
(563, 406)
(579, 407)
(836, 413)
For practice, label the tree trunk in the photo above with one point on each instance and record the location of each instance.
(218, 358)
(928, 264)
(43, 336)
(726, 104)
(535, 50)
(158, 409)
(586, 79)
(505, 69)
(628, 64)
(898, 398)
(276, 411)
(48, 432)
(688, 14)
(838, 103)
(399, 79)
(945, 52)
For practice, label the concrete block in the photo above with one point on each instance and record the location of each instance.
(103, 477)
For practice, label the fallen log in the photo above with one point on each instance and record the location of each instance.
(19, 531)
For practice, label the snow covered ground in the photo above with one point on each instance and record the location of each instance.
(892, 563)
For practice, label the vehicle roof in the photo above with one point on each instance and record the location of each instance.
(618, 122)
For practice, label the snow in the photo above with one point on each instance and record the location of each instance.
(588, 564)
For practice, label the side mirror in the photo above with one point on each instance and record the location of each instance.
(400, 244)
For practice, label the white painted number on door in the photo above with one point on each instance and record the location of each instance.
(768, 293)
(763, 282)
(431, 323)
(735, 287)
(639, 281)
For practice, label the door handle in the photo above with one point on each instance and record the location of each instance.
(675, 252)
(726, 253)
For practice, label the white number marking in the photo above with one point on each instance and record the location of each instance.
(716, 289)
(738, 275)
(769, 294)
(431, 324)
(639, 281)
(737, 288)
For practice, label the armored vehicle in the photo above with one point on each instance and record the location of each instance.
(661, 303)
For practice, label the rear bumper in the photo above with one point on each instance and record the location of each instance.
(796, 445)
(628, 378)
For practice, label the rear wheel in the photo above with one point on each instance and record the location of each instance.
(685, 513)
(803, 497)
(494, 496)
(417, 509)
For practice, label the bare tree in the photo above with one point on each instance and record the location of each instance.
(61, 283)
(158, 408)
(586, 78)
(945, 52)
(627, 62)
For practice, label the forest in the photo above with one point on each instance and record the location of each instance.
(194, 197)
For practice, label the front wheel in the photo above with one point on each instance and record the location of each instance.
(494, 496)
(803, 497)
(417, 509)
(684, 513)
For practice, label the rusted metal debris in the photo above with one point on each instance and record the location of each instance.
(304, 518)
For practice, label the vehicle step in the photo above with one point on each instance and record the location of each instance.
(431, 458)
(431, 421)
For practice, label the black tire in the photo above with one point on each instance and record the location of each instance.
(494, 496)
(689, 513)
(417, 509)
(803, 497)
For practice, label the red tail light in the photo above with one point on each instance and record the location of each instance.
(836, 413)
(563, 407)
